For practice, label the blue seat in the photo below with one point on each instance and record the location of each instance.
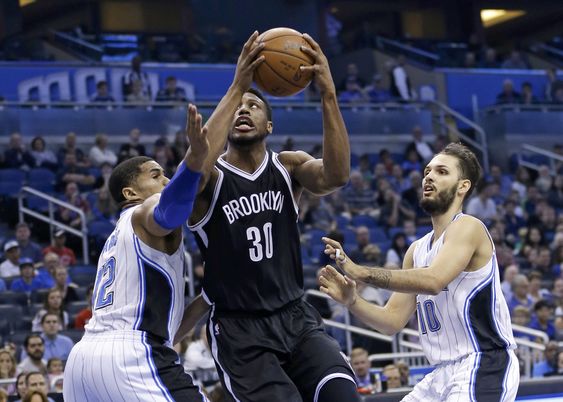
(342, 222)
(10, 317)
(76, 307)
(36, 203)
(83, 275)
(364, 220)
(100, 228)
(14, 298)
(315, 235)
(377, 235)
(394, 230)
(349, 237)
(41, 179)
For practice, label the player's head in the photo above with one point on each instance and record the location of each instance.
(252, 121)
(449, 177)
(136, 179)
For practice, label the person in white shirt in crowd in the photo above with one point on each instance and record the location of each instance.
(198, 360)
(422, 148)
(35, 349)
(400, 82)
(11, 266)
(100, 152)
(28, 248)
(482, 205)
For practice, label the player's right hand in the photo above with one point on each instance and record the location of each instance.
(247, 62)
(341, 288)
(197, 138)
(335, 251)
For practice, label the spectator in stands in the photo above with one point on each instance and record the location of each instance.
(198, 359)
(36, 396)
(164, 156)
(72, 172)
(398, 180)
(353, 93)
(555, 193)
(496, 176)
(521, 181)
(35, 349)
(469, 60)
(133, 147)
(27, 281)
(558, 96)
(21, 388)
(405, 372)
(135, 75)
(46, 273)
(11, 266)
(521, 316)
(533, 241)
(515, 61)
(137, 95)
(527, 96)
(36, 382)
(409, 229)
(542, 264)
(481, 205)
(55, 344)
(68, 290)
(508, 94)
(55, 371)
(412, 197)
(504, 253)
(73, 197)
(544, 181)
(85, 314)
(397, 251)
(512, 221)
(367, 382)
(411, 163)
(3, 395)
(362, 241)
(16, 156)
(490, 60)
(400, 82)
(70, 147)
(3, 286)
(171, 92)
(315, 212)
(392, 376)
(100, 152)
(423, 149)
(553, 84)
(180, 146)
(359, 196)
(28, 248)
(7, 369)
(376, 91)
(392, 209)
(520, 293)
(352, 75)
(44, 158)
(549, 362)
(102, 93)
(104, 208)
(53, 304)
(58, 246)
(543, 318)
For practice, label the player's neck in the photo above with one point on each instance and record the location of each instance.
(246, 158)
(441, 222)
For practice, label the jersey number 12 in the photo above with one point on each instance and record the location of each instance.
(103, 298)
(260, 247)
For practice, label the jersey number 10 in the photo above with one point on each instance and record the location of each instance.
(427, 316)
(260, 248)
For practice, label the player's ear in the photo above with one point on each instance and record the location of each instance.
(464, 186)
(270, 127)
(129, 193)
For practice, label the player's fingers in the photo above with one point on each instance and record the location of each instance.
(315, 68)
(191, 118)
(255, 50)
(349, 281)
(324, 290)
(330, 242)
(250, 41)
(311, 41)
(309, 51)
(324, 281)
(257, 62)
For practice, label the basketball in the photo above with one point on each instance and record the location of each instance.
(279, 74)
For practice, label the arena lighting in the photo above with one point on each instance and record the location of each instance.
(492, 17)
(24, 3)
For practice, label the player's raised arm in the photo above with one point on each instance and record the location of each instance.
(459, 246)
(389, 319)
(221, 119)
(322, 176)
(161, 213)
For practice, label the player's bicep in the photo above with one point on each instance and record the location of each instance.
(456, 252)
(309, 173)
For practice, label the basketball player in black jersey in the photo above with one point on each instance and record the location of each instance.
(268, 344)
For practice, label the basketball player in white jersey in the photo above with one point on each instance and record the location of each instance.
(138, 301)
(450, 278)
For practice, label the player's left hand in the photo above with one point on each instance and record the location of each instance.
(197, 138)
(320, 70)
(339, 287)
(335, 252)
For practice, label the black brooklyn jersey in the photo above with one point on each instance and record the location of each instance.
(249, 239)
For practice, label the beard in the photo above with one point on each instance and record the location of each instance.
(441, 203)
(247, 141)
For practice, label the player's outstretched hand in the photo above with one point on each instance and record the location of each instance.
(321, 70)
(339, 287)
(335, 252)
(197, 138)
(247, 62)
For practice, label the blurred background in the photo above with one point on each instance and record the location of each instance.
(85, 84)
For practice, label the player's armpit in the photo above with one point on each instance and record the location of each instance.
(192, 314)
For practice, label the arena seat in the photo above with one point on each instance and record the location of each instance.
(14, 298)
(41, 179)
(10, 318)
(12, 181)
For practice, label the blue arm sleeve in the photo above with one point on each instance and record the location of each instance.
(177, 198)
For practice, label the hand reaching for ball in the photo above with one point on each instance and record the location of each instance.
(247, 62)
(320, 70)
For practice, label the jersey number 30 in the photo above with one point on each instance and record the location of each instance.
(104, 279)
(260, 248)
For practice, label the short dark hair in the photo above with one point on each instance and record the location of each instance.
(259, 94)
(542, 303)
(28, 338)
(48, 314)
(101, 84)
(469, 166)
(123, 175)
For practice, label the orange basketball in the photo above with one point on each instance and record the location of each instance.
(279, 74)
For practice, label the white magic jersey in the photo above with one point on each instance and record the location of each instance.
(137, 287)
(469, 315)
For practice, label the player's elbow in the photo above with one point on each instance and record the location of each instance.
(434, 287)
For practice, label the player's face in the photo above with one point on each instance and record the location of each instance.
(440, 184)
(150, 181)
(250, 122)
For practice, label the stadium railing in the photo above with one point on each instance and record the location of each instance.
(538, 156)
(50, 218)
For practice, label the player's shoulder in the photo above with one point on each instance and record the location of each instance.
(466, 225)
